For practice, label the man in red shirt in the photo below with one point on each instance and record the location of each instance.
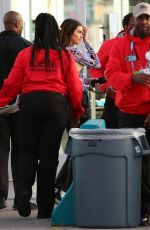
(110, 110)
(127, 72)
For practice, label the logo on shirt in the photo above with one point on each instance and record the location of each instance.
(41, 67)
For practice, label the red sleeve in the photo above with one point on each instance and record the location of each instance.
(118, 76)
(12, 85)
(74, 87)
(102, 55)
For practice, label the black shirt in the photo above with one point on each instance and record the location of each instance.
(10, 45)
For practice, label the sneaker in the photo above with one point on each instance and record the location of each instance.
(24, 208)
(145, 220)
(33, 206)
(58, 196)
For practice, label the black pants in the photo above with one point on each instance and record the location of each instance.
(8, 136)
(65, 175)
(43, 118)
(86, 105)
(110, 114)
(136, 121)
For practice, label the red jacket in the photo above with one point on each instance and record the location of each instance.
(103, 55)
(25, 79)
(130, 98)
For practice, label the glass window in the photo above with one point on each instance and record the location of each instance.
(103, 20)
(69, 9)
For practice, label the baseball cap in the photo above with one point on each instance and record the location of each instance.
(141, 8)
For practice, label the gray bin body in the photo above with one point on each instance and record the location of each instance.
(107, 181)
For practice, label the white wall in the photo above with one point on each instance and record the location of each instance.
(29, 9)
(57, 9)
(23, 7)
(4, 7)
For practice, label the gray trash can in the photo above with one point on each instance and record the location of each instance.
(107, 176)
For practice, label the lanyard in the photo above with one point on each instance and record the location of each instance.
(135, 57)
(132, 57)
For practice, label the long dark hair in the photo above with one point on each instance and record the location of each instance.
(47, 35)
(126, 19)
(68, 27)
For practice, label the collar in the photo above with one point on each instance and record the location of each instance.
(135, 39)
(9, 32)
(121, 34)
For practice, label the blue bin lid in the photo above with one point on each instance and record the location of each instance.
(93, 124)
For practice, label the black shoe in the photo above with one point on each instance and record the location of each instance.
(45, 211)
(43, 215)
(2, 202)
(24, 208)
(33, 206)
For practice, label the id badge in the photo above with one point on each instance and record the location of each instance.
(131, 58)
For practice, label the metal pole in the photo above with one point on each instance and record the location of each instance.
(93, 107)
(30, 19)
(81, 16)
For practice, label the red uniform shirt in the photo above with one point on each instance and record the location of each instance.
(26, 79)
(103, 55)
(131, 97)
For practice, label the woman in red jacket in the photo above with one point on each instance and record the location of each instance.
(42, 74)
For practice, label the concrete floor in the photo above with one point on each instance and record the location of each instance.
(10, 220)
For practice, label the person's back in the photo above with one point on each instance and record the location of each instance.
(110, 110)
(48, 81)
(11, 43)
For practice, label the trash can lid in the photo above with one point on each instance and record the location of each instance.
(99, 133)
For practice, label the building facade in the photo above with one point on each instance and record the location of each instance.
(103, 18)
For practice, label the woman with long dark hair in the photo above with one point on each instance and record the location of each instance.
(72, 32)
(47, 78)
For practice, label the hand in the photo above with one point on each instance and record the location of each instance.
(85, 34)
(110, 91)
(141, 78)
(147, 121)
